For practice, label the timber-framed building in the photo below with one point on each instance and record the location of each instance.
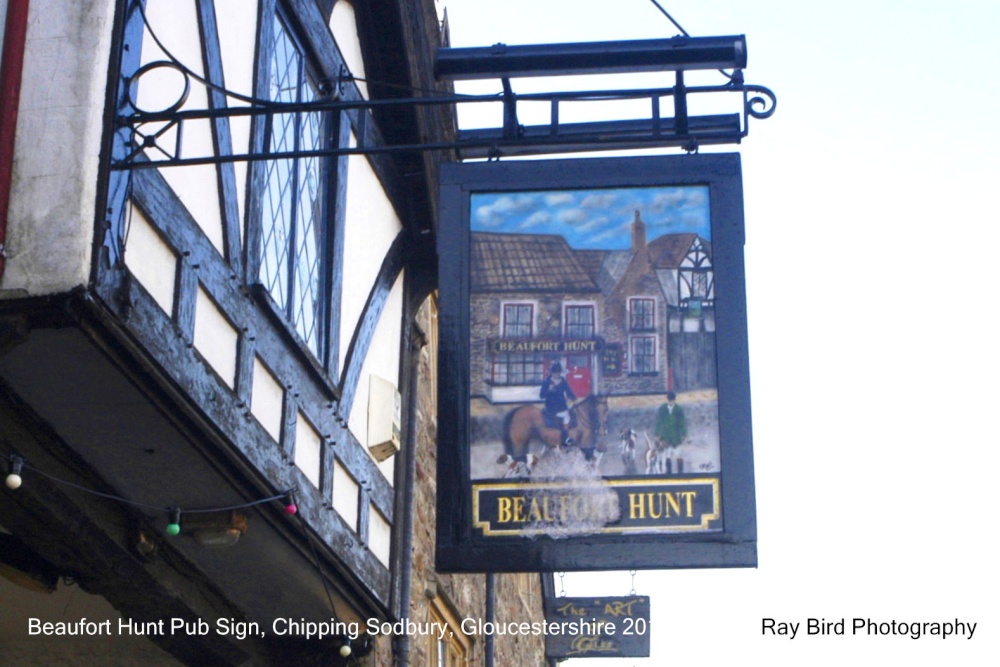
(225, 336)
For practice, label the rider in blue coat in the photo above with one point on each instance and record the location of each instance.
(555, 390)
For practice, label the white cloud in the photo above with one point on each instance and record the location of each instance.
(603, 200)
(494, 213)
(571, 216)
(558, 199)
(534, 220)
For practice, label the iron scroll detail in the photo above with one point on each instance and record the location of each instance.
(759, 106)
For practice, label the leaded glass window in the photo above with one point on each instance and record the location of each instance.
(292, 205)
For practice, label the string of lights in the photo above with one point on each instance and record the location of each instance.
(18, 465)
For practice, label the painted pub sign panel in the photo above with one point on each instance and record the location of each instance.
(594, 359)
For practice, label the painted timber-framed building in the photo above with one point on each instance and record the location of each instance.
(216, 291)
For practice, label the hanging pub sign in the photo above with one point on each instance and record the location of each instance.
(594, 386)
(615, 627)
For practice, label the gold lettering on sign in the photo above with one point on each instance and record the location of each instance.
(569, 610)
(519, 509)
(659, 505)
(503, 509)
(586, 644)
(550, 508)
(619, 608)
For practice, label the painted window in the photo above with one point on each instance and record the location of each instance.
(642, 354)
(579, 321)
(518, 368)
(292, 210)
(699, 285)
(641, 314)
(518, 320)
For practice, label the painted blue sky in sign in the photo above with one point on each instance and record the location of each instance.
(594, 219)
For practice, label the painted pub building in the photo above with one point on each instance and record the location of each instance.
(620, 322)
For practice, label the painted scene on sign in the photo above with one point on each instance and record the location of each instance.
(592, 319)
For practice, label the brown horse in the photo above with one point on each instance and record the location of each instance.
(527, 423)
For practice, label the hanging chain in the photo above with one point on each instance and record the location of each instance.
(632, 592)
(562, 584)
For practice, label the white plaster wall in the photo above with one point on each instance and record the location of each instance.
(151, 260)
(267, 399)
(370, 228)
(308, 449)
(60, 122)
(383, 361)
(514, 394)
(345, 495)
(176, 24)
(238, 41)
(215, 338)
(379, 535)
(344, 27)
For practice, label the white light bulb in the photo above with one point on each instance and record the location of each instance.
(345, 650)
(13, 481)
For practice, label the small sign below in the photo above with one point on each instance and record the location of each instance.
(615, 627)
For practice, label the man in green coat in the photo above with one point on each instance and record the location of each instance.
(671, 430)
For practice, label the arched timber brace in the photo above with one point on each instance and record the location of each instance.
(362, 338)
(221, 135)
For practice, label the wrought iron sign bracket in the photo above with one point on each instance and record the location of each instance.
(155, 138)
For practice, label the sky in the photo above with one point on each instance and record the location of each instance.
(594, 219)
(871, 236)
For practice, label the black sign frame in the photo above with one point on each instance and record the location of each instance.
(464, 547)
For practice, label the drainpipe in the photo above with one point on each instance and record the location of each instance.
(11, 66)
(402, 590)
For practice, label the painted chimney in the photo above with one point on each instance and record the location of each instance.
(638, 234)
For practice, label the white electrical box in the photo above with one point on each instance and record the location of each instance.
(384, 416)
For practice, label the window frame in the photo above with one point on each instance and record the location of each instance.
(320, 345)
(528, 368)
(633, 356)
(505, 320)
(634, 315)
(569, 327)
(457, 644)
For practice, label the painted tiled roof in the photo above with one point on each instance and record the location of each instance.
(524, 262)
(591, 261)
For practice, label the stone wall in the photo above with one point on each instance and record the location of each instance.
(518, 596)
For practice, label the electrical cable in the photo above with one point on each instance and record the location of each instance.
(18, 463)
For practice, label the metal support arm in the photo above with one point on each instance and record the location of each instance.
(156, 136)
